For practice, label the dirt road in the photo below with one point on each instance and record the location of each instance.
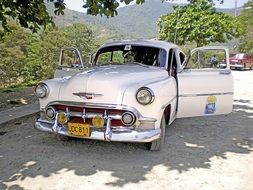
(214, 153)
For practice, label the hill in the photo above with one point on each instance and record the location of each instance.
(134, 21)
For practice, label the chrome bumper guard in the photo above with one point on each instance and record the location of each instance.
(107, 135)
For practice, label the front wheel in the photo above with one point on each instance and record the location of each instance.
(157, 144)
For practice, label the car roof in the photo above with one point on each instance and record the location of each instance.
(151, 43)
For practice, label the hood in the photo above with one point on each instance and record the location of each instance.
(108, 83)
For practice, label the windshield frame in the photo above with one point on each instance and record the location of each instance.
(98, 53)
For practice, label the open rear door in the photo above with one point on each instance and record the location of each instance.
(70, 63)
(205, 84)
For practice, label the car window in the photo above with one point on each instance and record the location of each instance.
(205, 59)
(105, 57)
(239, 56)
(182, 57)
(172, 57)
(131, 53)
(172, 63)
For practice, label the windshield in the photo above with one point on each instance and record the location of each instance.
(121, 54)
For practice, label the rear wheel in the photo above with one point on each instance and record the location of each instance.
(157, 144)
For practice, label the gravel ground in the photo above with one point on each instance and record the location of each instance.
(16, 97)
(200, 153)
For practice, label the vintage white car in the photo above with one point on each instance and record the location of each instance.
(133, 90)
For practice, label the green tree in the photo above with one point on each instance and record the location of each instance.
(246, 21)
(197, 22)
(43, 54)
(33, 14)
(44, 49)
(81, 37)
(13, 52)
(30, 14)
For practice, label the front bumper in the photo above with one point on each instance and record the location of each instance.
(107, 135)
(236, 65)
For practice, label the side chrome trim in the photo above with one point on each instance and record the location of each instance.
(211, 94)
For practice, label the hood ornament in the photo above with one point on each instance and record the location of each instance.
(87, 95)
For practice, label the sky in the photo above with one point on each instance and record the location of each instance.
(77, 4)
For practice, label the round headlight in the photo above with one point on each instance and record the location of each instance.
(145, 96)
(41, 90)
(128, 118)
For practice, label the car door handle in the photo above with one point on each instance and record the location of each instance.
(225, 72)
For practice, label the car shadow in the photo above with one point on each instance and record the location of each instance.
(190, 143)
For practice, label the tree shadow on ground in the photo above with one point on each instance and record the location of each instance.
(190, 143)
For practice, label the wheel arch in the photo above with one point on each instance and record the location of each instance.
(167, 112)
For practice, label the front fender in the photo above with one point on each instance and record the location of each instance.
(165, 92)
(54, 86)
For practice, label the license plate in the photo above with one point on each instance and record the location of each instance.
(79, 129)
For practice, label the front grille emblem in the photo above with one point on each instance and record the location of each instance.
(86, 95)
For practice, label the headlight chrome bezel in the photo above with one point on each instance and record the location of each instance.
(46, 90)
(149, 92)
